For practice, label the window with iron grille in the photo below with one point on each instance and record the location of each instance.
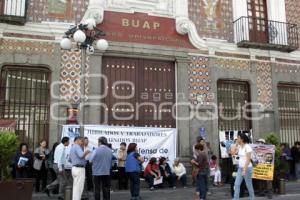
(25, 97)
(233, 97)
(13, 11)
(289, 112)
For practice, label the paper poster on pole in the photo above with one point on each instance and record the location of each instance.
(151, 142)
(265, 155)
(227, 138)
(202, 132)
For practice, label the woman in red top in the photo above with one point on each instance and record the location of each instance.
(152, 171)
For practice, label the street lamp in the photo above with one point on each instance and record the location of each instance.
(84, 36)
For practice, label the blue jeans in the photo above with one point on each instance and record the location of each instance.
(202, 185)
(248, 180)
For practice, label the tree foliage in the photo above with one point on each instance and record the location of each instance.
(8, 147)
(280, 165)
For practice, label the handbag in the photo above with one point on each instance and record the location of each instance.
(254, 162)
(37, 164)
(195, 170)
(254, 159)
(212, 171)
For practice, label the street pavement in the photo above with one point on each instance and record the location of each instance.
(217, 193)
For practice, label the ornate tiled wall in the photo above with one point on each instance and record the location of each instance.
(213, 18)
(232, 64)
(293, 12)
(70, 76)
(264, 84)
(56, 10)
(199, 80)
(26, 46)
(287, 68)
(87, 75)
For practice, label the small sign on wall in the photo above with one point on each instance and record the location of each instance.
(72, 114)
(202, 132)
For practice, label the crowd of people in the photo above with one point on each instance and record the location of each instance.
(290, 158)
(91, 169)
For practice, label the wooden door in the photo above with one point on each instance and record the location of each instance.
(140, 91)
(258, 20)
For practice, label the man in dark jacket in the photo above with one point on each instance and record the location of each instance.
(295, 152)
(101, 164)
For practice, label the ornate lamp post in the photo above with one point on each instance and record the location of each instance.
(84, 36)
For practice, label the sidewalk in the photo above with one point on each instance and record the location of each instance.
(222, 193)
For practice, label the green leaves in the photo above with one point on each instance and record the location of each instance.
(8, 147)
(273, 138)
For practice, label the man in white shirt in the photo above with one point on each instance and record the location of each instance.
(58, 166)
(180, 172)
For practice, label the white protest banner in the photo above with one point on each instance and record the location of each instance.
(151, 142)
(70, 131)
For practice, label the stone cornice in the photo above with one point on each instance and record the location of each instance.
(40, 31)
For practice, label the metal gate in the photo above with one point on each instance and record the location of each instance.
(233, 97)
(289, 112)
(140, 92)
(25, 96)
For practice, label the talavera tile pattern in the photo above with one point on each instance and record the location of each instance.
(264, 84)
(287, 68)
(86, 77)
(199, 80)
(26, 46)
(232, 64)
(292, 9)
(70, 76)
(213, 18)
(56, 10)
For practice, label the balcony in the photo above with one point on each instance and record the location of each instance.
(266, 34)
(13, 11)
